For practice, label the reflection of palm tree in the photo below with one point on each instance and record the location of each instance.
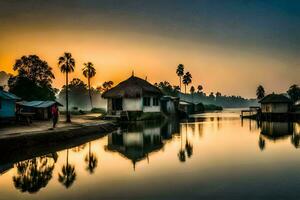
(33, 174)
(188, 145)
(181, 154)
(261, 143)
(68, 174)
(295, 140)
(91, 160)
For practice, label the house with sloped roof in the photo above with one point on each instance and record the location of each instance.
(133, 95)
(275, 103)
(40, 109)
(7, 104)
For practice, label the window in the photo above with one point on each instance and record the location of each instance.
(146, 101)
(155, 102)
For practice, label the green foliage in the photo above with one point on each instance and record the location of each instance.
(34, 79)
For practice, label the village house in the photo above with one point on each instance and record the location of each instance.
(275, 103)
(133, 96)
(7, 105)
(38, 109)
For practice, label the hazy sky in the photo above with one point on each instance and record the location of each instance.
(228, 46)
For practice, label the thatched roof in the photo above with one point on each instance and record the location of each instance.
(275, 98)
(133, 87)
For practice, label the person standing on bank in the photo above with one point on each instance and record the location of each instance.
(54, 112)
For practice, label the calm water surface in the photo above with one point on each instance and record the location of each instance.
(213, 156)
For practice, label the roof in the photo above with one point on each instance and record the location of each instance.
(275, 98)
(38, 104)
(133, 87)
(9, 96)
(183, 102)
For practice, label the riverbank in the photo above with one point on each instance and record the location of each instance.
(39, 134)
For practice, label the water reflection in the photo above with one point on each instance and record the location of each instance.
(91, 160)
(276, 131)
(67, 176)
(135, 141)
(177, 150)
(35, 173)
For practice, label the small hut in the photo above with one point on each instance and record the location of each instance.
(134, 95)
(41, 109)
(275, 103)
(7, 104)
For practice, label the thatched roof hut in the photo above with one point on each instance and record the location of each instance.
(275, 98)
(275, 103)
(133, 87)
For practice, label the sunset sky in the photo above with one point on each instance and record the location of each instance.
(228, 46)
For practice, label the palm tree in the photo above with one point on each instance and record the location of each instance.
(67, 64)
(180, 73)
(187, 79)
(68, 174)
(260, 92)
(91, 160)
(89, 72)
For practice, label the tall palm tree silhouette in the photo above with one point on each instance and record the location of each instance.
(66, 64)
(89, 72)
(91, 160)
(187, 79)
(68, 174)
(180, 72)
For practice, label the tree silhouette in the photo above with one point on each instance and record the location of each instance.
(33, 174)
(180, 73)
(34, 75)
(66, 64)
(187, 79)
(89, 72)
(294, 92)
(91, 160)
(107, 85)
(199, 88)
(260, 92)
(192, 91)
(68, 174)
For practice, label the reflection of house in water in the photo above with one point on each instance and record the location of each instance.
(139, 140)
(276, 130)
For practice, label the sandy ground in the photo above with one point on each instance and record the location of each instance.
(38, 126)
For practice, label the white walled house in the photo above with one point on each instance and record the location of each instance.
(275, 103)
(133, 95)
